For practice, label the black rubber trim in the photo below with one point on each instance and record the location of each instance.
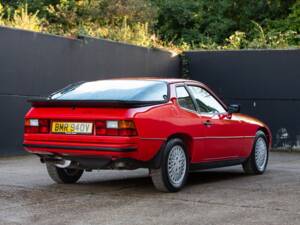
(216, 164)
(129, 149)
(100, 162)
(153, 163)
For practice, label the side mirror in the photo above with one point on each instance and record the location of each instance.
(234, 108)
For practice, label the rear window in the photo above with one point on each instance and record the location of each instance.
(114, 90)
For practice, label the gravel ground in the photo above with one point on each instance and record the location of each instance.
(223, 196)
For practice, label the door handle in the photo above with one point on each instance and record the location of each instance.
(207, 123)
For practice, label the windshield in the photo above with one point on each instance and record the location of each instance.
(114, 90)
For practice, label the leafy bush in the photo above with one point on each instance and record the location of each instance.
(1, 15)
(172, 24)
(22, 19)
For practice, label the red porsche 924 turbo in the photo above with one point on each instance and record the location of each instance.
(171, 126)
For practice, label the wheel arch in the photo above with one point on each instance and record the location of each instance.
(187, 140)
(268, 134)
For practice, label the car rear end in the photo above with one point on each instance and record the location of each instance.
(90, 129)
(91, 132)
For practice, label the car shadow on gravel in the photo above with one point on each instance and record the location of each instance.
(115, 183)
(143, 182)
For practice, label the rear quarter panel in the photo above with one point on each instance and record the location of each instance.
(163, 121)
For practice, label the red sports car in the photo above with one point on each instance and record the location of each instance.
(171, 126)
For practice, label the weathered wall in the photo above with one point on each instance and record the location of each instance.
(34, 64)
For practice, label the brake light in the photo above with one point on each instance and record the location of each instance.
(115, 128)
(36, 126)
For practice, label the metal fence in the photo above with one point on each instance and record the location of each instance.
(35, 64)
(265, 83)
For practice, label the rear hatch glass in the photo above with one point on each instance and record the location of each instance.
(114, 90)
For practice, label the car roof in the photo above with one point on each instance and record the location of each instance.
(173, 80)
(168, 80)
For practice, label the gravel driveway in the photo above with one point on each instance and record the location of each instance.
(223, 196)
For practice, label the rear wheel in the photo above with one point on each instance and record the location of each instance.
(258, 160)
(172, 174)
(63, 175)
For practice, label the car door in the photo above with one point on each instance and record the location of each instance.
(221, 132)
(189, 121)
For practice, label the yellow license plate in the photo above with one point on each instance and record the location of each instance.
(72, 128)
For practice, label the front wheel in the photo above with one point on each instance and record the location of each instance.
(172, 174)
(258, 160)
(63, 175)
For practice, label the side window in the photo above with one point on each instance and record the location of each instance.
(206, 102)
(184, 99)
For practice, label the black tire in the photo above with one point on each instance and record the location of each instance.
(251, 166)
(161, 176)
(63, 175)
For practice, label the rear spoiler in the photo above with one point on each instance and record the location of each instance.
(46, 102)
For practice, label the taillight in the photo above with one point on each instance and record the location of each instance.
(100, 127)
(36, 126)
(115, 128)
(127, 132)
(127, 128)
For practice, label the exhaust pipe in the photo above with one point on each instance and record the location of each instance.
(63, 163)
(59, 162)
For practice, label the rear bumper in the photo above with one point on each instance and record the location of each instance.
(104, 162)
(136, 148)
(89, 148)
(84, 157)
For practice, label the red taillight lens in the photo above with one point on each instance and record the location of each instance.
(43, 122)
(31, 130)
(115, 128)
(100, 127)
(112, 132)
(36, 126)
(44, 126)
(127, 132)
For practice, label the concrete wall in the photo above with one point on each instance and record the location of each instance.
(265, 82)
(35, 64)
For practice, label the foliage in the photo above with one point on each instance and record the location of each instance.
(172, 24)
(272, 39)
(236, 41)
(179, 20)
(215, 23)
(135, 11)
(137, 34)
(1, 15)
(21, 18)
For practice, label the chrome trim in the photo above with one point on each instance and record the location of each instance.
(223, 137)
